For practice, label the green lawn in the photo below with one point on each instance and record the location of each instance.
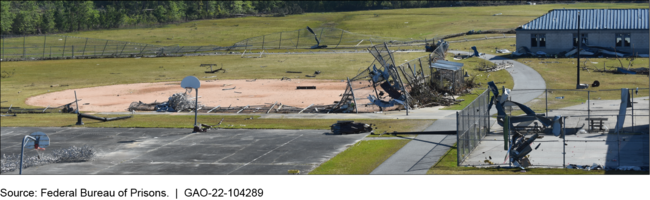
(447, 165)
(362, 158)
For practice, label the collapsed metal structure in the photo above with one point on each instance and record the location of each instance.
(417, 83)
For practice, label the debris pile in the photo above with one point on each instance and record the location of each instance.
(493, 67)
(348, 127)
(10, 163)
(176, 103)
(140, 106)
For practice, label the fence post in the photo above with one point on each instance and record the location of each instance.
(263, 38)
(123, 48)
(588, 109)
(104, 47)
(84, 51)
(280, 45)
(457, 139)
(564, 142)
(65, 40)
(24, 51)
(632, 104)
(246, 46)
(3, 48)
(546, 92)
(73, 51)
(142, 50)
(341, 38)
(50, 52)
(618, 139)
(44, 39)
(297, 42)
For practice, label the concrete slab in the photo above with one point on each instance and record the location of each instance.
(582, 149)
(178, 151)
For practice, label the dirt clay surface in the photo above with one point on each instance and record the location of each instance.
(117, 98)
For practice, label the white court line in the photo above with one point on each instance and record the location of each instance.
(264, 155)
(154, 149)
(7, 133)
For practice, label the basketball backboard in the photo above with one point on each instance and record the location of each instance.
(190, 82)
(41, 140)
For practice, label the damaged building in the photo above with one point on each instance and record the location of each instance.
(622, 30)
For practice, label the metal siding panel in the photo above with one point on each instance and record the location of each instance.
(560, 22)
(587, 20)
(626, 20)
(565, 19)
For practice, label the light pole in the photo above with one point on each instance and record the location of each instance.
(579, 44)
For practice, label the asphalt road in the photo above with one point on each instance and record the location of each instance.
(178, 151)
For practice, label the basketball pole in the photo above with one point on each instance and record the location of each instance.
(196, 109)
(22, 151)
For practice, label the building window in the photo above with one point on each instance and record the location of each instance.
(542, 40)
(623, 39)
(584, 39)
(538, 40)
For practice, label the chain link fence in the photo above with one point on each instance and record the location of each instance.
(46, 47)
(472, 124)
(55, 46)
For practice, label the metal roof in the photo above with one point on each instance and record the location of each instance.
(590, 19)
(441, 64)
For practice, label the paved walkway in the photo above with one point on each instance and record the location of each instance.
(424, 151)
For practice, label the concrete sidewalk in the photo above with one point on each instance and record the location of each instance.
(422, 152)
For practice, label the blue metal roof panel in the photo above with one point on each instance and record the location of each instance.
(591, 19)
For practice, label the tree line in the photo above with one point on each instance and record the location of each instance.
(42, 17)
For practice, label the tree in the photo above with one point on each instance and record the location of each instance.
(236, 7)
(27, 18)
(160, 13)
(6, 16)
(47, 24)
(60, 21)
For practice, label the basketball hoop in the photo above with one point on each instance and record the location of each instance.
(188, 90)
(40, 151)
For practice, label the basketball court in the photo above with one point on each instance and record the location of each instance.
(140, 151)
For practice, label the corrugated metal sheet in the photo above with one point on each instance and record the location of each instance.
(441, 64)
(594, 19)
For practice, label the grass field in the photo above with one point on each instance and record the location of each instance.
(447, 166)
(362, 158)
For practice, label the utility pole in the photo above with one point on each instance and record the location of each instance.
(579, 44)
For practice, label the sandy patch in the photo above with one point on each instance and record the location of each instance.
(117, 98)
